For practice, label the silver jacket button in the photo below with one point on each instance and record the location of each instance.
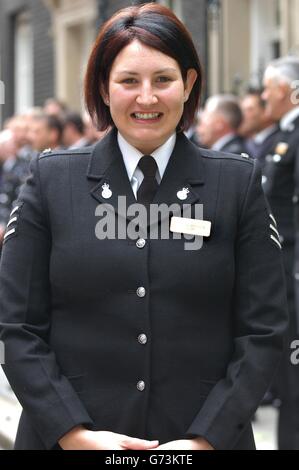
(276, 158)
(141, 291)
(140, 386)
(140, 243)
(142, 339)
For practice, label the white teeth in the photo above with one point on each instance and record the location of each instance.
(146, 115)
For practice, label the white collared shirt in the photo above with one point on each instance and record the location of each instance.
(132, 156)
(79, 144)
(8, 164)
(261, 136)
(220, 143)
(287, 120)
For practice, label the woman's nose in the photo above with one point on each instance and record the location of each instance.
(146, 96)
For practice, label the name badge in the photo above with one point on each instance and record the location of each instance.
(190, 226)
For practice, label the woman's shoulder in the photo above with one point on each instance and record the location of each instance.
(232, 173)
(62, 153)
(231, 166)
(220, 156)
(53, 161)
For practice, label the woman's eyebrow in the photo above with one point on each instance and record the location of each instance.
(130, 72)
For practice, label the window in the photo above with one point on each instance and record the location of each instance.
(23, 62)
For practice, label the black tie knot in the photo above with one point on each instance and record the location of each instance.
(149, 185)
(148, 166)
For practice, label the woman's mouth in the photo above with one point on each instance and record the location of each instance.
(147, 117)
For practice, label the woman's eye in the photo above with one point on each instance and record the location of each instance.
(163, 79)
(129, 81)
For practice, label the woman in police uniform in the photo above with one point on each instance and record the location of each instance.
(154, 342)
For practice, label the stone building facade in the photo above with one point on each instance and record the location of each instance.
(44, 45)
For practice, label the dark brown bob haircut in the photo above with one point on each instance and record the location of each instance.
(154, 26)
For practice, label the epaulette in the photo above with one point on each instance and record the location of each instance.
(244, 157)
(52, 153)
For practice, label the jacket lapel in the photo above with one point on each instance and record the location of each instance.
(106, 166)
(185, 169)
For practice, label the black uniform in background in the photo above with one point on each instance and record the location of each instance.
(260, 150)
(281, 186)
(13, 174)
(235, 145)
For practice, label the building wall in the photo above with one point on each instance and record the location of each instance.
(74, 30)
(63, 31)
(236, 43)
(244, 35)
(195, 19)
(43, 53)
(290, 30)
(191, 12)
(43, 57)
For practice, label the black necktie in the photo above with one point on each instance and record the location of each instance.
(149, 185)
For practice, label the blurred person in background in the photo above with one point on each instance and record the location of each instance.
(28, 152)
(55, 107)
(281, 186)
(74, 131)
(191, 133)
(219, 124)
(91, 133)
(45, 132)
(14, 172)
(19, 125)
(258, 128)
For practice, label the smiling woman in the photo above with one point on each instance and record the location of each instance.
(144, 46)
(134, 341)
(146, 102)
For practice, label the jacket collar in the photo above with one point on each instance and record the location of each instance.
(185, 169)
(290, 120)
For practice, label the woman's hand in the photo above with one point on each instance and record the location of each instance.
(187, 444)
(80, 438)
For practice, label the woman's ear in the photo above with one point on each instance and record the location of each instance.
(190, 80)
(106, 100)
(105, 96)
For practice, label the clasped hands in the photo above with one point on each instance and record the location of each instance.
(80, 438)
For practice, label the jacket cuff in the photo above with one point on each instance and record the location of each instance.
(64, 416)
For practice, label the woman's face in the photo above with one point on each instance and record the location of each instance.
(147, 95)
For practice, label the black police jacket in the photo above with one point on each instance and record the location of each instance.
(140, 337)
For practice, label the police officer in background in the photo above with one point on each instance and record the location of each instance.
(219, 124)
(281, 185)
(14, 171)
(45, 132)
(258, 128)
